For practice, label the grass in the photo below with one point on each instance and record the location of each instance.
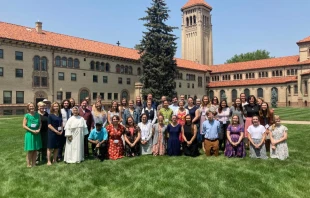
(296, 114)
(149, 176)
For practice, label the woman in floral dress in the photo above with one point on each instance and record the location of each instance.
(115, 143)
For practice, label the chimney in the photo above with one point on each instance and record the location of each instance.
(39, 27)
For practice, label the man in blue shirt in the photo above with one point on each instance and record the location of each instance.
(98, 137)
(210, 131)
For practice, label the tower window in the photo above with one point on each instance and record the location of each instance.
(187, 21)
(194, 19)
(191, 20)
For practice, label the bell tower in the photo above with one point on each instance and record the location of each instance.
(197, 43)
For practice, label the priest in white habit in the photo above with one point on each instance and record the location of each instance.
(75, 130)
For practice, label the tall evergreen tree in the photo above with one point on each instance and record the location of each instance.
(157, 50)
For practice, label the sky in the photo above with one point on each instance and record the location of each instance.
(239, 26)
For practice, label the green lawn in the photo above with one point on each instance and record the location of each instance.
(295, 114)
(150, 176)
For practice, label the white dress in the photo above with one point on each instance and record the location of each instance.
(146, 135)
(77, 128)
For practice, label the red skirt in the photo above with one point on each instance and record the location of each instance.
(248, 122)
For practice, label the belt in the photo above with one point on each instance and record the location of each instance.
(211, 140)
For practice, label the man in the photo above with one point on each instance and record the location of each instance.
(210, 130)
(198, 102)
(66, 113)
(98, 138)
(243, 99)
(166, 112)
(89, 106)
(86, 114)
(174, 106)
(182, 98)
(163, 98)
(150, 97)
(47, 105)
(138, 105)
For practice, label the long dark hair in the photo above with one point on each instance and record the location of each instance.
(220, 109)
(117, 109)
(261, 111)
(134, 124)
(192, 125)
(240, 107)
(63, 102)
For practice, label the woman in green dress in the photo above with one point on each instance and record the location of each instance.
(32, 124)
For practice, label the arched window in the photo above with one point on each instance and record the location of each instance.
(295, 89)
(43, 64)
(36, 63)
(247, 93)
(70, 62)
(305, 88)
(281, 73)
(129, 70)
(276, 89)
(107, 67)
(273, 73)
(288, 72)
(64, 62)
(92, 65)
(194, 20)
(83, 94)
(102, 66)
(139, 71)
(122, 69)
(187, 21)
(234, 95)
(289, 89)
(76, 63)
(125, 95)
(57, 61)
(260, 92)
(211, 94)
(222, 95)
(118, 68)
(191, 20)
(126, 69)
(97, 65)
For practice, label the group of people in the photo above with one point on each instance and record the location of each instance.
(56, 132)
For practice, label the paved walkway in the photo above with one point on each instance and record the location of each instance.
(295, 122)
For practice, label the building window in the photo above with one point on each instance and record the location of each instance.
(102, 66)
(70, 62)
(102, 96)
(7, 112)
(247, 92)
(288, 72)
(64, 62)
(76, 63)
(98, 66)
(7, 97)
(19, 56)
(193, 86)
(1, 71)
(92, 65)
(276, 89)
(95, 78)
(19, 73)
(94, 95)
(1, 53)
(57, 61)
(118, 69)
(260, 92)
(59, 95)
(68, 95)
(188, 85)
(277, 73)
(305, 88)
(249, 75)
(83, 94)
(222, 95)
(73, 76)
(36, 81)
(129, 70)
(125, 94)
(109, 96)
(199, 81)
(19, 97)
(61, 76)
(44, 81)
(36, 62)
(289, 89)
(43, 64)
(126, 69)
(180, 85)
(120, 80)
(234, 95)
(105, 79)
(107, 67)
(128, 81)
(122, 69)
(20, 111)
(211, 95)
(139, 71)
(115, 96)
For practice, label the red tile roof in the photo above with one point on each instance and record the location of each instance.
(192, 3)
(305, 40)
(258, 64)
(261, 81)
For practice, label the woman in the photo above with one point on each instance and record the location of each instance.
(260, 101)
(159, 131)
(223, 113)
(75, 130)
(266, 118)
(123, 105)
(32, 125)
(237, 109)
(204, 108)
(131, 112)
(181, 112)
(146, 135)
(115, 143)
(174, 131)
(189, 133)
(278, 137)
(150, 112)
(256, 135)
(251, 109)
(99, 114)
(193, 112)
(114, 111)
(72, 102)
(214, 104)
(234, 143)
(55, 130)
(43, 131)
(132, 138)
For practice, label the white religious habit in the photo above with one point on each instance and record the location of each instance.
(76, 128)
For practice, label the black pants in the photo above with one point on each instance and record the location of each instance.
(102, 151)
(62, 143)
(86, 149)
(223, 135)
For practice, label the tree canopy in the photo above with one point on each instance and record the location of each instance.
(157, 49)
(257, 55)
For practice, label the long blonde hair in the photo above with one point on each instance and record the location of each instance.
(274, 125)
(96, 112)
